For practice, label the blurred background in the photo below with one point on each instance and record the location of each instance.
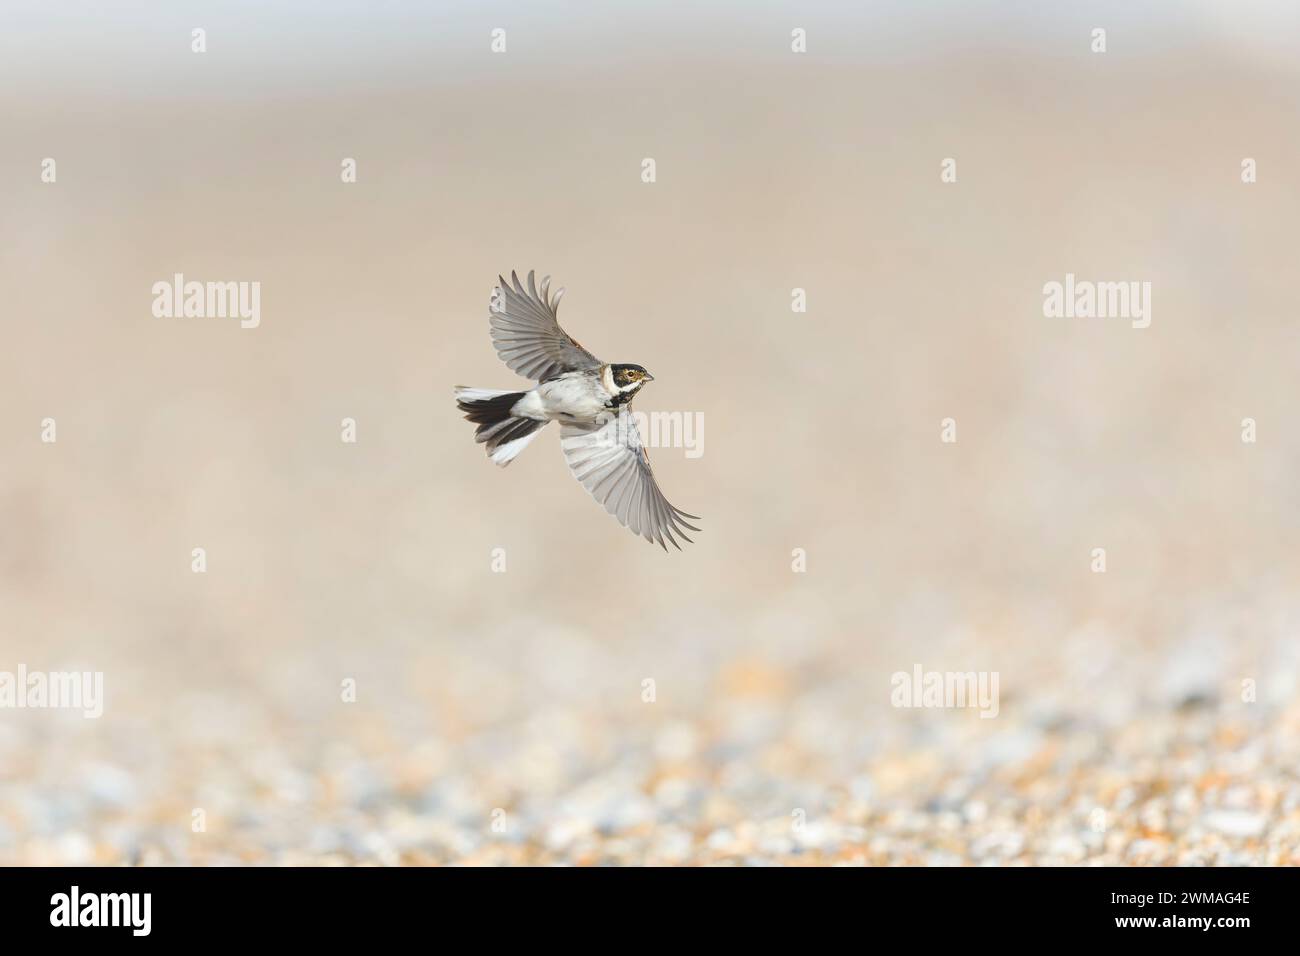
(501, 717)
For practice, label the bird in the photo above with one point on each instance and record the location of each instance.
(588, 397)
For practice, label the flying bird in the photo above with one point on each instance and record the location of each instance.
(585, 395)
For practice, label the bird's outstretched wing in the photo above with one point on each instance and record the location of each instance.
(609, 460)
(527, 334)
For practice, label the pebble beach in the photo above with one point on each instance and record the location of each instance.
(330, 632)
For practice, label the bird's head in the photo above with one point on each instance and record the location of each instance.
(629, 378)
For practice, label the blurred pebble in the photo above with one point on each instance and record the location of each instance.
(1235, 823)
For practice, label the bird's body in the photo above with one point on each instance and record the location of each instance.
(583, 394)
(571, 396)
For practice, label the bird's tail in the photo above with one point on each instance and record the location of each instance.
(505, 435)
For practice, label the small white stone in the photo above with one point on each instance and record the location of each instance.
(1236, 823)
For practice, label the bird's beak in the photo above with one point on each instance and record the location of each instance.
(649, 377)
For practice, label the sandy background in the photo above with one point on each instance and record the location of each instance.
(1120, 692)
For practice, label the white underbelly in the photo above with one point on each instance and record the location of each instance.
(574, 398)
